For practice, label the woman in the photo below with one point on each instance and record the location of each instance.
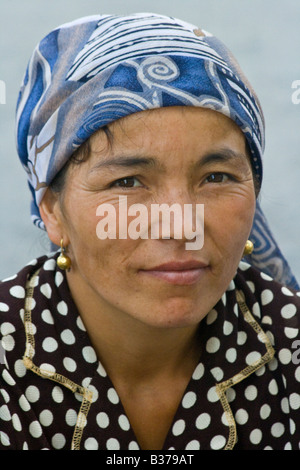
(143, 342)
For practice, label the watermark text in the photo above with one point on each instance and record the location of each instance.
(296, 93)
(163, 222)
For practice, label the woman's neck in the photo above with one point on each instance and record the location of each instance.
(132, 349)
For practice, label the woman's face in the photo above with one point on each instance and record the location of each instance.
(164, 156)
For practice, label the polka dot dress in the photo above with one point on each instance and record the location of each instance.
(244, 393)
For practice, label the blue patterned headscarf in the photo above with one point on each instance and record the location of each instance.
(88, 73)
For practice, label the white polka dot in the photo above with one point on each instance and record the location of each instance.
(102, 420)
(50, 345)
(62, 308)
(8, 343)
(227, 328)
(50, 265)
(57, 394)
(266, 297)
(68, 337)
(265, 411)
(218, 442)
(198, 372)
(101, 371)
(69, 364)
(89, 354)
(251, 286)
(124, 423)
(5, 413)
(295, 401)
(273, 387)
(277, 430)
(288, 311)
(217, 373)
(231, 355)
(4, 439)
(266, 277)
(212, 395)
(273, 365)
(178, 427)
(287, 292)
(46, 290)
(58, 441)
(291, 333)
(23, 403)
(71, 417)
(113, 396)
(253, 357)
(267, 320)
(91, 444)
(16, 423)
(297, 374)
(47, 317)
(285, 406)
(285, 356)
(256, 310)
(35, 429)
(80, 324)
(8, 378)
(213, 345)
(18, 292)
(133, 446)
(32, 394)
(251, 392)
(113, 444)
(241, 416)
(46, 418)
(193, 445)
(58, 278)
(4, 307)
(189, 400)
(5, 396)
(203, 421)
(241, 338)
(255, 436)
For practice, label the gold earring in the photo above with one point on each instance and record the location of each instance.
(249, 247)
(63, 261)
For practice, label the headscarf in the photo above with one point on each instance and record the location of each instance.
(88, 73)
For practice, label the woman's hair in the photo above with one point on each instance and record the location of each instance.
(79, 156)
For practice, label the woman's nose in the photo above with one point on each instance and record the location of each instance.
(177, 216)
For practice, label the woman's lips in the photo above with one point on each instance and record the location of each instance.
(178, 273)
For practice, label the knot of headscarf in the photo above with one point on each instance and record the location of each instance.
(88, 73)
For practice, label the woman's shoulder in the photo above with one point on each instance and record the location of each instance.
(13, 293)
(264, 289)
(275, 306)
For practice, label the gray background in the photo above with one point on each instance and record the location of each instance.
(264, 35)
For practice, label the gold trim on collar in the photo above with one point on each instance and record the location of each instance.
(46, 374)
(222, 387)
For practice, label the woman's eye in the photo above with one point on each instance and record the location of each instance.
(217, 178)
(129, 182)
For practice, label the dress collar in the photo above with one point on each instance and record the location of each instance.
(234, 347)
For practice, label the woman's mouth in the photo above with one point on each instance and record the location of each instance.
(178, 273)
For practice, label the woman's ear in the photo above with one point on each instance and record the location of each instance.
(50, 210)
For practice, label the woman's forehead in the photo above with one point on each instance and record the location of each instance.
(170, 127)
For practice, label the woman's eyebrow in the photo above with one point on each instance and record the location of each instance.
(125, 162)
(220, 156)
